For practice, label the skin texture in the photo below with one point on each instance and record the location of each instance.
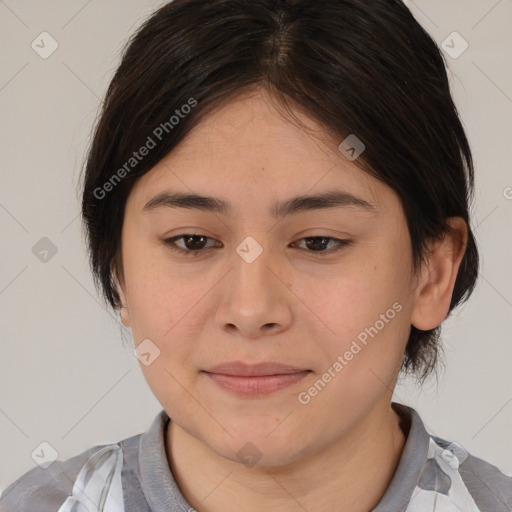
(291, 305)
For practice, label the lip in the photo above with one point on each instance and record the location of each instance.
(239, 369)
(257, 379)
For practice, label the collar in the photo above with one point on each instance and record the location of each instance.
(163, 494)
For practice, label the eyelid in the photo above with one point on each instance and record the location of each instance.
(170, 242)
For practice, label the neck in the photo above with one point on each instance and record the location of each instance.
(352, 476)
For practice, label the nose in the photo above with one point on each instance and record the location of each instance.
(255, 299)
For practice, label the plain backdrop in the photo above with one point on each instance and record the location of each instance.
(65, 375)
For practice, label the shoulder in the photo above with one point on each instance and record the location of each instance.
(46, 489)
(464, 479)
(436, 474)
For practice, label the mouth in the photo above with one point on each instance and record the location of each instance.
(255, 380)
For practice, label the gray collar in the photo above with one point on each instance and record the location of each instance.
(414, 455)
(157, 482)
(163, 495)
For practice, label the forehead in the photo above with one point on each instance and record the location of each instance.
(250, 152)
(254, 128)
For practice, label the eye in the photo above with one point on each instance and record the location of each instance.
(318, 244)
(195, 244)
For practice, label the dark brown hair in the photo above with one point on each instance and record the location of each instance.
(363, 67)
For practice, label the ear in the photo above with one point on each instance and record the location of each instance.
(125, 313)
(437, 276)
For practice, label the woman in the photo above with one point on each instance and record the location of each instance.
(277, 203)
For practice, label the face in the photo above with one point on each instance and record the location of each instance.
(319, 296)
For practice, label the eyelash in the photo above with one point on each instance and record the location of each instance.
(170, 242)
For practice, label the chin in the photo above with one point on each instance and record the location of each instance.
(260, 446)
(260, 454)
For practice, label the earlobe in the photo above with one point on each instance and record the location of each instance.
(124, 312)
(125, 316)
(437, 276)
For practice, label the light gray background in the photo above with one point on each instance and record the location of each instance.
(65, 376)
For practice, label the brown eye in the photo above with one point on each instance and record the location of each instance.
(318, 244)
(193, 244)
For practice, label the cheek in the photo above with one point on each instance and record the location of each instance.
(168, 307)
(368, 310)
(162, 305)
(364, 357)
(158, 297)
(356, 299)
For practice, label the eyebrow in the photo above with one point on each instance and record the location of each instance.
(330, 199)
